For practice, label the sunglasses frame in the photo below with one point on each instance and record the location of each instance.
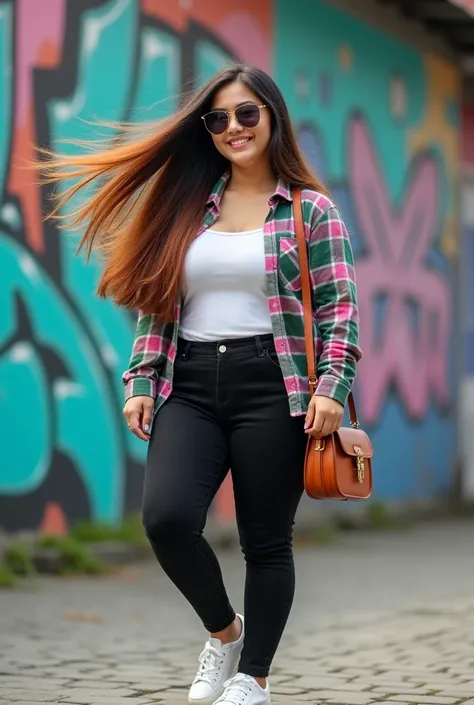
(229, 113)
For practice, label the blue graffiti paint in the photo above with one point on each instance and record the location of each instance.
(159, 75)
(209, 59)
(75, 411)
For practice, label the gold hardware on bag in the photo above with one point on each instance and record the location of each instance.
(320, 444)
(360, 464)
(354, 424)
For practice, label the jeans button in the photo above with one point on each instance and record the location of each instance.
(222, 348)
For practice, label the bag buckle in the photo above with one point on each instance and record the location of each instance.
(360, 464)
(319, 445)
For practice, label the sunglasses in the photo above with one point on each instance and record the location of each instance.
(217, 121)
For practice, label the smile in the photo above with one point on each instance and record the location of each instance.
(239, 142)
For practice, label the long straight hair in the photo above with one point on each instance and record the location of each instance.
(150, 193)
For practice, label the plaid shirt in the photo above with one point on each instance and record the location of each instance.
(336, 318)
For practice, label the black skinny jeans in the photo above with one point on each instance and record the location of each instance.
(228, 409)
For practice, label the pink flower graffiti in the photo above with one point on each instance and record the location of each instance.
(395, 267)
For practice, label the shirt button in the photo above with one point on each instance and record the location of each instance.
(222, 348)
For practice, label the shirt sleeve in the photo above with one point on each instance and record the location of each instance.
(141, 377)
(335, 304)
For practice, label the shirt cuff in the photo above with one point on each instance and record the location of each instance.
(332, 388)
(140, 386)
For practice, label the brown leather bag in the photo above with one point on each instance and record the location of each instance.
(338, 466)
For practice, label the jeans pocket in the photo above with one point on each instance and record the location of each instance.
(272, 356)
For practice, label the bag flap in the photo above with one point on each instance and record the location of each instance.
(353, 438)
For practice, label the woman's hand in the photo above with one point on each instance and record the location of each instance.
(138, 412)
(324, 416)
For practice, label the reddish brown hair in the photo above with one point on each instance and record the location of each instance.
(150, 193)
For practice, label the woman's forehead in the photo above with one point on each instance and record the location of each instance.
(231, 96)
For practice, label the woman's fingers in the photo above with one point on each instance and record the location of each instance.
(328, 414)
(138, 412)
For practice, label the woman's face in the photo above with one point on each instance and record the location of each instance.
(242, 146)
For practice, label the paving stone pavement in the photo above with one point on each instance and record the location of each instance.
(386, 617)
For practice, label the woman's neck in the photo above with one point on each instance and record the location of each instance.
(252, 180)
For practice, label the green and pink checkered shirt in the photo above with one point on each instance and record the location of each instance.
(336, 317)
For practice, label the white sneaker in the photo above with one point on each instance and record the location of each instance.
(244, 690)
(217, 664)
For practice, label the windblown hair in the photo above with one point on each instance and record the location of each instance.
(149, 194)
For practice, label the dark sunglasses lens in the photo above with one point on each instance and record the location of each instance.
(248, 115)
(216, 122)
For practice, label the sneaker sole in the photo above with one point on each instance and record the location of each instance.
(212, 698)
(207, 701)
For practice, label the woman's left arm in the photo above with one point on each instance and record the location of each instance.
(331, 263)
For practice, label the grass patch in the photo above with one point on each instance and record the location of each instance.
(325, 533)
(18, 559)
(7, 577)
(379, 516)
(130, 531)
(76, 559)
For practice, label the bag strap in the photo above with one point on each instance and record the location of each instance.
(307, 305)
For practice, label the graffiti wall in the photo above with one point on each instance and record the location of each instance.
(379, 121)
(382, 133)
(466, 405)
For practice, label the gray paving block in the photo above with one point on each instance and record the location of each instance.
(319, 682)
(343, 697)
(96, 684)
(40, 696)
(25, 684)
(98, 700)
(427, 699)
(99, 693)
(402, 690)
(396, 702)
(26, 702)
(286, 690)
(456, 693)
(150, 685)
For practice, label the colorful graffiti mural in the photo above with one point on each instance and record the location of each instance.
(61, 349)
(382, 134)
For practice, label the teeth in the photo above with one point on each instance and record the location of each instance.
(241, 141)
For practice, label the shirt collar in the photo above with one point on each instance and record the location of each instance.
(216, 193)
(283, 190)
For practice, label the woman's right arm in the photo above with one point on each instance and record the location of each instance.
(141, 377)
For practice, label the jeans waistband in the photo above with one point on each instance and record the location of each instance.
(260, 343)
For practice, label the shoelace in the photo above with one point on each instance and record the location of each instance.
(210, 661)
(235, 690)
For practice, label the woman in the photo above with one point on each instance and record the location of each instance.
(196, 222)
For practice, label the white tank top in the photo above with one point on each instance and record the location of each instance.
(224, 287)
